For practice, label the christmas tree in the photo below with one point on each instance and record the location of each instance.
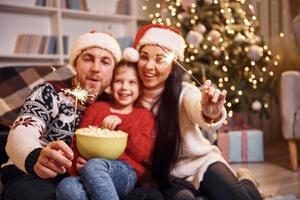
(225, 46)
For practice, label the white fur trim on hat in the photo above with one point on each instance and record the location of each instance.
(95, 39)
(131, 54)
(165, 38)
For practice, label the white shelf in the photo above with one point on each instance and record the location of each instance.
(23, 17)
(30, 57)
(78, 14)
(28, 9)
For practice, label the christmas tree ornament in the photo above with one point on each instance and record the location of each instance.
(240, 38)
(256, 105)
(194, 38)
(187, 4)
(255, 52)
(209, 2)
(200, 28)
(214, 36)
(217, 52)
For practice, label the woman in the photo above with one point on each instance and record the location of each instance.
(184, 163)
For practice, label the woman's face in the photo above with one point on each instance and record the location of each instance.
(153, 67)
(94, 68)
(125, 86)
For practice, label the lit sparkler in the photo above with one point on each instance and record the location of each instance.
(80, 95)
(171, 57)
(53, 68)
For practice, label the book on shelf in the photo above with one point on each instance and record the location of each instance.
(74, 4)
(46, 3)
(39, 44)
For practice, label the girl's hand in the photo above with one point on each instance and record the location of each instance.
(212, 101)
(80, 162)
(111, 122)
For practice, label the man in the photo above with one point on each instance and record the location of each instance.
(38, 142)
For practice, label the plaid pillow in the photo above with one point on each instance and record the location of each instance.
(16, 82)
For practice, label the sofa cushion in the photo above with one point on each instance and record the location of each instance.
(16, 82)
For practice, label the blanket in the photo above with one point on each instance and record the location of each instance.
(16, 82)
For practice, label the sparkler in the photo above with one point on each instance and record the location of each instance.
(171, 56)
(53, 68)
(80, 95)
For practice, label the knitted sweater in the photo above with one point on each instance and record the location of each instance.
(47, 115)
(196, 152)
(138, 124)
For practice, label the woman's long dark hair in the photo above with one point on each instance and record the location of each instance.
(166, 147)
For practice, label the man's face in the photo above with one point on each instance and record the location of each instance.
(94, 68)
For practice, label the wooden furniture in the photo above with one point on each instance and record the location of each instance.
(23, 16)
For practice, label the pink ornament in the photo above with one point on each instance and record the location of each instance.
(256, 105)
(194, 38)
(214, 36)
(255, 52)
(209, 2)
(187, 4)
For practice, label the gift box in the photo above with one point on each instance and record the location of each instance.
(242, 145)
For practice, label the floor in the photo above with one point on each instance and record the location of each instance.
(274, 174)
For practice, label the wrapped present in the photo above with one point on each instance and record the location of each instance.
(242, 145)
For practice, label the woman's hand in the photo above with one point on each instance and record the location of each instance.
(80, 162)
(212, 101)
(53, 160)
(111, 122)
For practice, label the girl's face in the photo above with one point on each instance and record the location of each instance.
(152, 67)
(94, 68)
(125, 86)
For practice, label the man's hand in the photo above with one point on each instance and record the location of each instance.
(212, 101)
(111, 122)
(53, 160)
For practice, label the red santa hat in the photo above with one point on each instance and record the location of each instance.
(162, 35)
(95, 39)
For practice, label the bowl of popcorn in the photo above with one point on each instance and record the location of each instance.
(94, 142)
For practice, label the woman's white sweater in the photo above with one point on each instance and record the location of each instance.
(196, 152)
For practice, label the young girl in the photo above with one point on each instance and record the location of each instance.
(111, 179)
(184, 163)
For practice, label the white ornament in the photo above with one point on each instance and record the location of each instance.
(209, 2)
(256, 105)
(214, 36)
(239, 38)
(194, 38)
(200, 28)
(255, 52)
(187, 4)
(131, 54)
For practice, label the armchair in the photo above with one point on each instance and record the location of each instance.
(290, 112)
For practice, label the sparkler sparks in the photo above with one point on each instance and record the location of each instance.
(172, 56)
(80, 95)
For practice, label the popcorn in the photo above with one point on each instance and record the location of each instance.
(100, 132)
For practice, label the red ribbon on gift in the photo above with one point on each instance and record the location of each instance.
(244, 140)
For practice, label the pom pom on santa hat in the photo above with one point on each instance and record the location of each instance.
(131, 54)
(165, 36)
